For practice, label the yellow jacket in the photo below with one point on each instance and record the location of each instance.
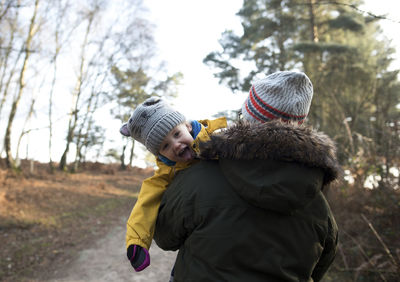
(141, 222)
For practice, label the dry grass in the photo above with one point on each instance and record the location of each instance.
(369, 234)
(45, 218)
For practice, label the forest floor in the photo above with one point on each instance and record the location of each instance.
(48, 221)
(63, 226)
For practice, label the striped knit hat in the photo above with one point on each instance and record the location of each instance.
(282, 95)
(150, 122)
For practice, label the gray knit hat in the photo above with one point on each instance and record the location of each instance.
(282, 95)
(150, 122)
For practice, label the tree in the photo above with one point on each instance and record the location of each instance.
(91, 14)
(34, 49)
(8, 69)
(126, 44)
(338, 48)
(60, 37)
(21, 85)
(356, 100)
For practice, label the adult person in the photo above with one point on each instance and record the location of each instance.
(255, 211)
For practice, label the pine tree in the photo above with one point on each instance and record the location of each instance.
(355, 94)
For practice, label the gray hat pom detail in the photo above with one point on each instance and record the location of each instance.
(124, 130)
(151, 101)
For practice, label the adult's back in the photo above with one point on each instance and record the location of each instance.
(257, 213)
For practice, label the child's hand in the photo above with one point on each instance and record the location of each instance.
(139, 257)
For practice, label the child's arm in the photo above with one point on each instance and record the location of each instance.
(141, 222)
(208, 127)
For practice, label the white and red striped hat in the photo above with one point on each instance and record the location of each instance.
(284, 95)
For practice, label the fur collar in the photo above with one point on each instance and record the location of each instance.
(275, 140)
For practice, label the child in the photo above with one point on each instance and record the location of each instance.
(175, 142)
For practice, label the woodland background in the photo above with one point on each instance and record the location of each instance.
(83, 63)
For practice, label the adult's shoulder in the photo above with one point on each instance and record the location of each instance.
(275, 140)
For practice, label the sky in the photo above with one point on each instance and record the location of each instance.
(186, 31)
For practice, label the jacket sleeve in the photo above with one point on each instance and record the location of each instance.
(173, 221)
(208, 127)
(329, 252)
(141, 222)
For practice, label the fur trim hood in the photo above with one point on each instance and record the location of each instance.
(275, 140)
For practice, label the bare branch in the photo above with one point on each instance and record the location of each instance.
(381, 241)
(380, 17)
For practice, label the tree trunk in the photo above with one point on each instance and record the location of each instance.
(28, 117)
(132, 153)
(7, 139)
(51, 104)
(313, 27)
(77, 92)
(82, 139)
(4, 86)
(63, 160)
(122, 158)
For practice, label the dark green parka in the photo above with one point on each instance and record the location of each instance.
(257, 213)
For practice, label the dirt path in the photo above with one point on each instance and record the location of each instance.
(107, 261)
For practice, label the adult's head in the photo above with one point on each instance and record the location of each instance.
(284, 95)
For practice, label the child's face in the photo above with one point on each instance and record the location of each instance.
(176, 146)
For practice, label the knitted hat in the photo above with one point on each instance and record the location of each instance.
(150, 122)
(282, 95)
